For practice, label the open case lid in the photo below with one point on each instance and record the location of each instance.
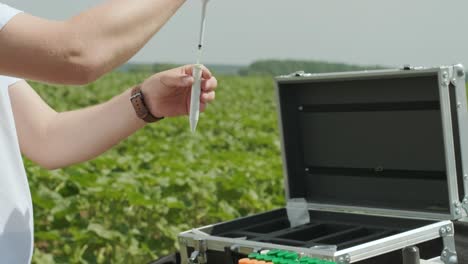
(376, 142)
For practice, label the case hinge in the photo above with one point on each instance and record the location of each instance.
(457, 73)
(452, 75)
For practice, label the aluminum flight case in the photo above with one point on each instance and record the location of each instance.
(374, 161)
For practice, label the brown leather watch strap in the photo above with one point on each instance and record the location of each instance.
(139, 105)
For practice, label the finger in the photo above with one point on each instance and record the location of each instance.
(209, 85)
(206, 73)
(208, 97)
(203, 107)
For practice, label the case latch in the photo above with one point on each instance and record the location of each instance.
(457, 74)
(199, 255)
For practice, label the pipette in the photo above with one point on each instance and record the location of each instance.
(197, 74)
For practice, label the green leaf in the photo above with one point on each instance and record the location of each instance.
(102, 232)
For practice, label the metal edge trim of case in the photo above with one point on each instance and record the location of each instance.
(356, 75)
(392, 243)
(459, 80)
(248, 246)
(357, 253)
(283, 152)
(376, 212)
(451, 169)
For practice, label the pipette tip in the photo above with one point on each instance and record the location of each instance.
(193, 125)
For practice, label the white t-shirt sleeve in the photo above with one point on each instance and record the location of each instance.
(6, 13)
(6, 81)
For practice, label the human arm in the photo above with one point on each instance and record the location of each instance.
(80, 135)
(83, 48)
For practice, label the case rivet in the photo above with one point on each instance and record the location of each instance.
(348, 258)
(300, 108)
(442, 230)
(459, 105)
(456, 203)
(457, 211)
(465, 177)
(449, 229)
(465, 201)
(307, 169)
(445, 79)
(444, 253)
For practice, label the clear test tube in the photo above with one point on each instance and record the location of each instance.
(195, 97)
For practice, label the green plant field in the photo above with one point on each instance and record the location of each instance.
(128, 205)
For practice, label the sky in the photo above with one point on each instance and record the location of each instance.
(366, 32)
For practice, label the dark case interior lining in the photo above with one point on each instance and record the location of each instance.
(367, 142)
(325, 229)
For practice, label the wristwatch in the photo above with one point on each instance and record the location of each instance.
(139, 105)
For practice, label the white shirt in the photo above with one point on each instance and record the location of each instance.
(16, 214)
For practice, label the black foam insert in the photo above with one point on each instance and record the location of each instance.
(325, 229)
